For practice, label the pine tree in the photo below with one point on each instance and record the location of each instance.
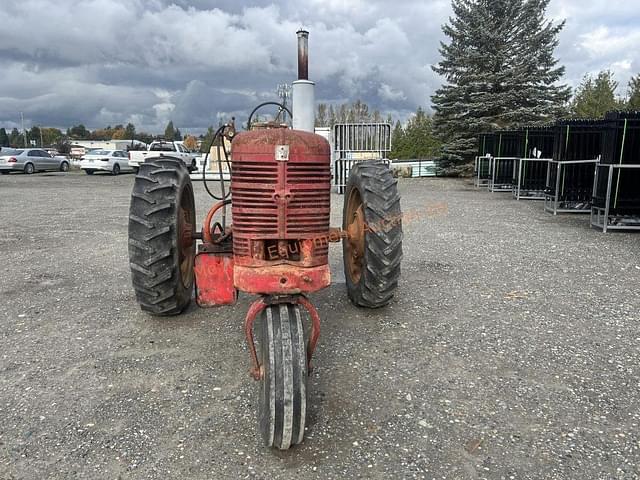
(397, 141)
(4, 138)
(130, 131)
(500, 71)
(595, 97)
(169, 132)
(633, 103)
(416, 140)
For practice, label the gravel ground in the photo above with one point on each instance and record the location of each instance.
(511, 351)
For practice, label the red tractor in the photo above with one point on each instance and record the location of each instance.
(277, 248)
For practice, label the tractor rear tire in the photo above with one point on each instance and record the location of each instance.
(372, 248)
(283, 389)
(162, 220)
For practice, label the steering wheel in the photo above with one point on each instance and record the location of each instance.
(283, 108)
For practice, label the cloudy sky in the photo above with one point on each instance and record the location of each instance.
(101, 62)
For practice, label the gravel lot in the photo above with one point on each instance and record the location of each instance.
(511, 352)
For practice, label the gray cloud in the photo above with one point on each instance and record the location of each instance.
(112, 61)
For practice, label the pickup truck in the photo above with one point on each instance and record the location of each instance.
(173, 149)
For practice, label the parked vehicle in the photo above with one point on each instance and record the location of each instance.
(30, 160)
(112, 161)
(170, 149)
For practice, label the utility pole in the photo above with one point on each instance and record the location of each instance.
(41, 142)
(24, 132)
(284, 92)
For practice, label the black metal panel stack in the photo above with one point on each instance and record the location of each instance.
(487, 144)
(531, 175)
(578, 146)
(621, 147)
(511, 146)
(616, 196)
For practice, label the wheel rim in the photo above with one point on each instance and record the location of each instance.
(29, 168)
(65, 167)
(116, 170)
(356, 229)
(186, 227)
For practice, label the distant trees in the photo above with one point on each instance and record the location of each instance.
(633, 100)
(78, 132)
(130, 131)
(356, 112)
(16, 139)
(191, 142)
(54, 137)
(171, 133)
(416, 139)
(118, 133)
(596, 96)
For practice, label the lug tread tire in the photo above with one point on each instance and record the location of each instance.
(153, 237)
(383, 238)
(283, 389)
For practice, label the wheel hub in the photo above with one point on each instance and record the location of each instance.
(186, 227)
(356, 230)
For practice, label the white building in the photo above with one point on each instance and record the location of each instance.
(80, 147)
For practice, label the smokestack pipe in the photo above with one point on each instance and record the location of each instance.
(303, 54)
(303, 90)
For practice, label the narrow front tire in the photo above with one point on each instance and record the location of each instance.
(283, 389)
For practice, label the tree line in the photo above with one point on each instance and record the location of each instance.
(62, 140)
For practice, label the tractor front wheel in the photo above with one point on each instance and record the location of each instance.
(372, 246)
(162, 220)
(283, 390)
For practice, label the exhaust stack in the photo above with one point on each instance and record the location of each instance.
(303, 54)
(303, 90)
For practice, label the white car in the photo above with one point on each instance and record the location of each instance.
(112, 161)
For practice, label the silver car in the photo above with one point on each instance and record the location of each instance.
(30, 160)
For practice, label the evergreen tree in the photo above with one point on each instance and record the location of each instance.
(397, 141)
(169, 131)
(16, 139)
(500, 71)
(130, 131)
(4, 138)
(633, 103)
(595, 96)
(177, 136)
(416, 140)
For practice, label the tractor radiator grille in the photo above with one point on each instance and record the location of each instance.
(258, 215)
